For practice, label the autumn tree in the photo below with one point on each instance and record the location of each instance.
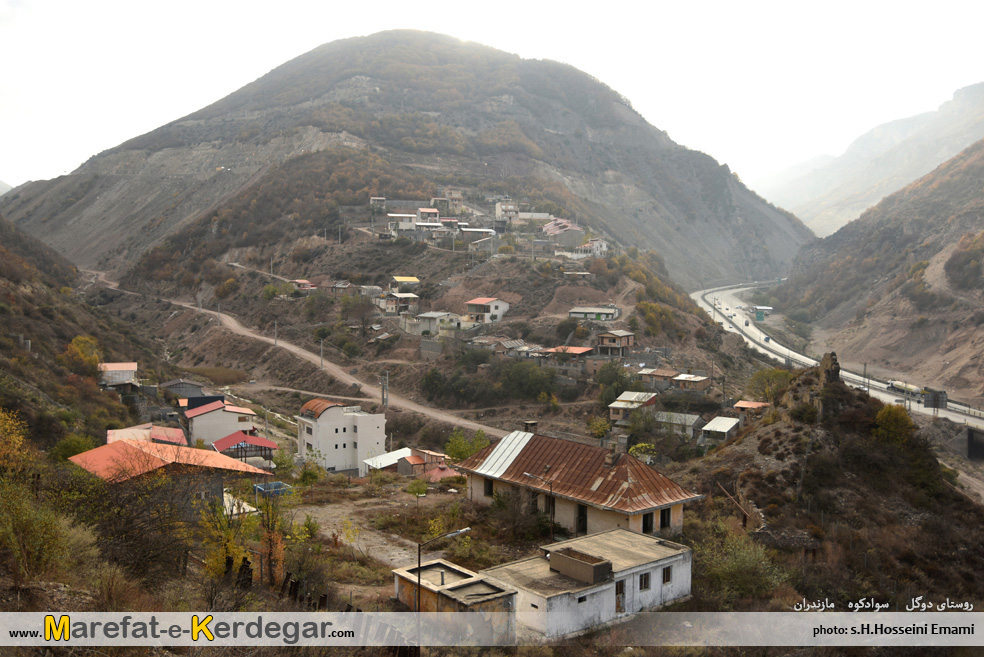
(417, 488)
(893, 425)
(82, 356)
(13, 430)
(769, 384)
(358, 309)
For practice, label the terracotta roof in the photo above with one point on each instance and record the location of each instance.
(751, 404)
(216, 406)
(125, 459)
(316, 407)
(414, 460)
(233, 439)
(117, 367)
(481, 301)
(578, 472)
(564, 349)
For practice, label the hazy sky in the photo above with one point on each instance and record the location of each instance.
(757, 85)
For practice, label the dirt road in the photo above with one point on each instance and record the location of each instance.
(232, 324)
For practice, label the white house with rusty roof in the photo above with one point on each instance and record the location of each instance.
(588, 488)
(216, 420)
(339, 437)
(485, 310)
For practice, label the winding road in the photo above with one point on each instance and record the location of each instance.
(337, 371)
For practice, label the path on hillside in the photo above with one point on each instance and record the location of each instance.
(335, 370)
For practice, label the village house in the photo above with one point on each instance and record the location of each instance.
(217, 420)
(599, 313)
(182, 388)
(243, 446)
(620, 410)
(691, 382)
(387, 461)
(500, 347)
(564, 233)
(615, 343)
(583, 583)
(428, 215)
(719, 430)
(684, 425)
(341, 288)
(398, 282)
(750, 411)
(303, 285)
(148, 433)
(112, 375)
(419, 461)
(658, 378)
(339, 438)
(394, 303)
(567, 360)
(595, 247)
(485, 310)
(585, 488)
(202, 471)
(430, 323)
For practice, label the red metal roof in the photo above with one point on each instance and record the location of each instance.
(751, 404)
(316, 407)
(564, 349)
(481, 301)
(117, 367)
(578, 472)
(414, 460)
(125, 459)
(215, 406)
(233, 439)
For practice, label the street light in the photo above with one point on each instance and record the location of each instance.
(553, 503)
(419, 548)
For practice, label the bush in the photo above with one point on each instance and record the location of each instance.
(31, 535)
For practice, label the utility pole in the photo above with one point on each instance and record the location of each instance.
(322, 353)
(274, 333)
(271, 265)
(384, 390)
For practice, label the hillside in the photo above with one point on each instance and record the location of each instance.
(901, 288)
(44, 316)
(4, 188)
(828, 194)
(427, 106)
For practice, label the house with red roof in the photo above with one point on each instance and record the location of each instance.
(201, 472)
(585, 488)
(339, 438)
(148, 433)
(216, 420)
(485, 310)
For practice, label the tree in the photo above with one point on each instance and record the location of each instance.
(417, 488)
(459, 447)
(769, 384)
(645, 452)
(82, 356)
(13, 430)
(359, 309)
(598, 426)
(71, 445)
(31, 536)
(893, 425)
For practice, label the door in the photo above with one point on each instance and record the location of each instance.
(619, 596)
(582, 520)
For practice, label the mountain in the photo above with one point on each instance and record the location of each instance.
(878, 163)
(431, 106)
(901, 287)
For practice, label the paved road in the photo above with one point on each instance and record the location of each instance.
(753, 335)
(232, 324)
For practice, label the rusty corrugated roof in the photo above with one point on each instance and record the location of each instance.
(578, 472)
(316, 407)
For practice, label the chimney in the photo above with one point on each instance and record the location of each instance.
(610, 458)
(529, 426)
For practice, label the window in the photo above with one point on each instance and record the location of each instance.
(489, 488)
(583, 598)
(534, 606)
(644, 581)
(355, 429)
(355, 445)
(243, 418)
(343, 429)
(664, 518)
(667, 574)
(336, 445)
(309, 446)
(336, 429)
(344, 445)
(647, 523)
(308, 430)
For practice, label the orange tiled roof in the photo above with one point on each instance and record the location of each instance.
(125, 459)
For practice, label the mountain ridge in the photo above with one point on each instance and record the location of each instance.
(436, 104)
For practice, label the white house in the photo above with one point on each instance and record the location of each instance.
(601, 313)
(580, 584)
(485, 310)
(114, 374)
(217, 420)
(719, 430)
(340, 438)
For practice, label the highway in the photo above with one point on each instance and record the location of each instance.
(721, 302)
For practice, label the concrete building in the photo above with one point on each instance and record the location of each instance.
(340, 438)
(692, 382)
(583, 583)
(719, 430)
(586, 488)
(182, 388)
(685, 425)
(115, 374)
(599, 313)
(485, 310)
(620, 410)
(615, 343)
(217, 420)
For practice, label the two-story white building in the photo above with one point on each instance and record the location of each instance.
(338, 437)
(217, 420)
